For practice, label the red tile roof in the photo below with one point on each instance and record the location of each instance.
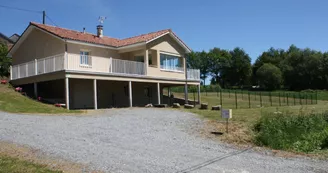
(91, 38)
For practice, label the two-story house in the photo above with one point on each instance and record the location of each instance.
(86, 70)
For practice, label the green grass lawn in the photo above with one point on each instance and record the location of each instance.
(11, 101)
(14, 165)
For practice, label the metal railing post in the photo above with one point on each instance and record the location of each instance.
(18, 70)
(36, 66)
(11, 72)
(44, 66)
(54, 63)
(111, 64)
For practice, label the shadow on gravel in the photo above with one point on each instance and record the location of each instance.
(208, 162)
(217, 133)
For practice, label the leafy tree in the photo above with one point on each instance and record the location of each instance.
(5, 61)
(303, 69)
(272, 56)
(269, 76)
(239, 70)
(219, 60)
(199, 60)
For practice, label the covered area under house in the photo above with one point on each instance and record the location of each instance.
(76, 91)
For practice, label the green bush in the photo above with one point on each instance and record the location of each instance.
(302, 133)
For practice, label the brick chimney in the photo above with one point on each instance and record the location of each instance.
(100, 31)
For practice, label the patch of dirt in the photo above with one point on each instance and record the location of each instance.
(238, 134)
(35, 156)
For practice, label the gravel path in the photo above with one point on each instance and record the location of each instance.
(140, 140)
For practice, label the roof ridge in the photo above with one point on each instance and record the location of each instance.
(169, 30)
(36, 23)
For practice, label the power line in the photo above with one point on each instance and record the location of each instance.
(28, 10)
(51, 20)
(20, 9)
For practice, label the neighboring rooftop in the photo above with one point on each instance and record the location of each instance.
(6, 39)
(92, 38)
(14, 37)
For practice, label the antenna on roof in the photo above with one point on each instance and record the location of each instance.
(100, 26)
(101, 19)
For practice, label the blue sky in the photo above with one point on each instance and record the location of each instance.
(254, 25)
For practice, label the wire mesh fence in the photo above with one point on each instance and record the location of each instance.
(240, 99)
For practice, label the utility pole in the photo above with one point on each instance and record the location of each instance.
(44, 17)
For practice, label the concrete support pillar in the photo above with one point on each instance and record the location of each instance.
(130, 93)
(158, 93)
(35, 90)
(146, 61)
(67, 92)
(95, 94)
(186, 93)
(186, 84)
(198, 94)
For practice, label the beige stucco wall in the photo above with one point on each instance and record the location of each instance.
(165, 45)
(94, 51)
(81, 94)
(100, 58)
(118, 78)
(36, 46)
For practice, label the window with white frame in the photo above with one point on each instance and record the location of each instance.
(85, 58)
(171, 62)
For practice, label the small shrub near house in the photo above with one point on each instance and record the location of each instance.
(301, 133)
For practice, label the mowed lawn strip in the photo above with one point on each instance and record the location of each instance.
(15, 102)
(14, 165)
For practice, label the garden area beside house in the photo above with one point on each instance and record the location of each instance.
(299, 125)
(16, 102)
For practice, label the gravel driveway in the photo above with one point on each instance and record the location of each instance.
(140, 140)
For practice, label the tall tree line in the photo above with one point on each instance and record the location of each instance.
(226, 68)
(293, 69)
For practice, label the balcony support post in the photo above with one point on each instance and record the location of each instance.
(95, 94)
(198, 94)
(146, 61)
(158, 93)
(186, 84)
(67, 92)
(130, 93)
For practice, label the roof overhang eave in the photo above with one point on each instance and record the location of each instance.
(187, 49)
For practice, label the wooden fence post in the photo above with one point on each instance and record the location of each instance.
(294, 99)
(270, 98)
(221, 97)
(261, 99)
(236, 99)
(249, 100)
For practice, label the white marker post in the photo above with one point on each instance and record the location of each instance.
(227, 114)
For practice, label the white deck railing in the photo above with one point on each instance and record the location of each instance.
(51, 64)
(38, 66)
(193, 74)
(126, 67)
(97, 64)
(172, 68)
